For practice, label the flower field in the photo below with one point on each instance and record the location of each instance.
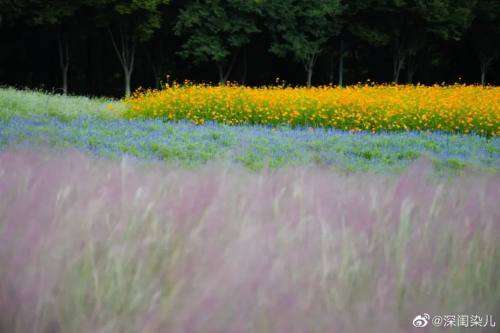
(372, 108)
(100, 127)
(114, 219)
(254, 147)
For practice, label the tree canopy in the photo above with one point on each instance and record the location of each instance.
(94, 46)
(302, 28)
(216, 31)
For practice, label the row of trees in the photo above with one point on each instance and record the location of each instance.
(225, 32)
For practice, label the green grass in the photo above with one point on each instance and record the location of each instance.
(27, 103)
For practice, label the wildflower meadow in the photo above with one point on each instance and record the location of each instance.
(202, 208)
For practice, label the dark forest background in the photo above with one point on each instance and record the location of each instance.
(109, 47)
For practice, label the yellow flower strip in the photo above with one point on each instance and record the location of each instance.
(457, 108)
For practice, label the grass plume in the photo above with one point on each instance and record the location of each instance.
(90, 245)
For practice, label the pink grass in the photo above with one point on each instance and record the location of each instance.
(91, 245)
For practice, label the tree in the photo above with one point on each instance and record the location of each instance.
(9, 10)
(77, 43)
(58, 14)
(217, 30)
(350, 25)
(485, 34)
(156, 58)
(405, 25)
(158, 52)
(128, 23)
(302, 28)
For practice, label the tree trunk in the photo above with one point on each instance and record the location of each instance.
(309, 67)
(397, 66)
(157, 70)
(341, 63)
(128, 77)
(485, 62)
(395, 77)
(64, 62)
(157, 82)
(398, 60)
(157, 73)
(416, 41)
(230, 69)
(126, 55)
(411, 74)
(155, 59)
(309, 76)
(220, 70)
(224, 75)
(65, 81)
(341, 70)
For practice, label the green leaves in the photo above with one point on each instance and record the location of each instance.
(140, 18)
(215, 30)
(38, 12)
(301, 27)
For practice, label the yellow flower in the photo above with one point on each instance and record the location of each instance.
(458, 108)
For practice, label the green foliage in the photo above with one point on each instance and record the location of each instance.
(216, 30)
(236, 33)
(139, 18)
(406, 25)
(39, 12)
(445, 19)
(485, 31)
(9, 11)
(303, 27)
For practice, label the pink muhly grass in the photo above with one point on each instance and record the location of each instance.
(89, 245)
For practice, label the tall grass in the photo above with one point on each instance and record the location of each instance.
(25, 103)
(90, 245)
